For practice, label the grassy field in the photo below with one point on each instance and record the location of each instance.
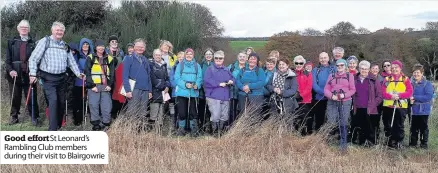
(242, 45)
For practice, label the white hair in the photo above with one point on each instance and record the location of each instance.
(365, 64)
(338, 49)
(138, 40)
(56, 23)
(299, 57)
(24, 23)
(165, 42)
(156, 51)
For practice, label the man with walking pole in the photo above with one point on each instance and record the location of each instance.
(18, 51)
(50, 59)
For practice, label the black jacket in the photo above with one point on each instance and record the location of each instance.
(89, 64)
(160, 80)
(13, 54)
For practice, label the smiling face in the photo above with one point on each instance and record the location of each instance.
(387, 67)
(219, 61)
(242, 58)
(100, 50)
(208, 55)
(164, 48)
(139, 48)
(85, 46)
(180, 56)
(130, 50)
(418, 75)
(338, 55)
(23, 30)
(352, 65)
(270, 66)
(340, 67)
(282, 66)
(57, 32)
(309, 68)
(375, 70)
(323, 59)
(395, 69)
(299, 65)
(189, 56)
(252, 61)
(157, 56)
(364, 71)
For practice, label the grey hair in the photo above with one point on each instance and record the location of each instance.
(365, 64)
(299, 57)
(56, 23)
(338, 49)
(324, 53)
(140, 40)
(23, 23)
(156, 51)
(165, 42)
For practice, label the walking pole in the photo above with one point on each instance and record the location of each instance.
(393, 113)
(33, 112)
(27, 101)
(342, 124)
(83, 103)
(188, 110)
(13, 89)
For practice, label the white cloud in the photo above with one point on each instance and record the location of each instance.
(261, 18)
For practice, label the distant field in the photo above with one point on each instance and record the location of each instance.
(242, 45)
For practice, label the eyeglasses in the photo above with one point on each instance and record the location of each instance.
(299, 63)
(387, 65)
(218, 58)
(208, 54)
(340, 65)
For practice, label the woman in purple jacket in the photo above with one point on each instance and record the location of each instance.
(217, 82)
(366, 100)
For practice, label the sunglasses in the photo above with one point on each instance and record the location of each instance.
(387, 65)
(299, 63)
(208, 54)
(340, 65)
(218, 58)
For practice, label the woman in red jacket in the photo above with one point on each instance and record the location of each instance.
(303, 121)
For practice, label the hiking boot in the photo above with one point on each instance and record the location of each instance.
(221, 128)
(106, 127)
(181, 128)
(35, 121)
(13, 120)
(194, 130)
(214, 127)
(424, 146)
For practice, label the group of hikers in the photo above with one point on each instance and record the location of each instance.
(350, 96)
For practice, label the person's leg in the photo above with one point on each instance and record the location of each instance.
(414, 131)
(374, 134)
(77, 105)
(386, 119)
(105, 107)
(398, 131)
(346, 106)
(62, 94)
(298, 121)
(154, 111)
(319, 112)
(214, 107)
(361, 118)
(93, 101)
(193, 117)
(50, 90)
(424, 131)
(16, 99)
(182, 114)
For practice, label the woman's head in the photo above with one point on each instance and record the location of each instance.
(283, 64)
(308, 66)
(417, 72)
(299, 62)
(249, 50)
(364, 68)
(396, 67)
(219, 58)
(386, 66)
(341, 65)
(338, 53)
(270, 64)
(208, 54)
(189, 54)
(157, 55)
(100, 47)
(253, 60)
(375, 69)
(241, 57)
(166, 46)
(352, 62)
(180, 56)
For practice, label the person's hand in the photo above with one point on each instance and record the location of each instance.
(395, 97)
(230, 82)
(195, 87)
(150, 95)
(223, 84)
(341, 96)
(189, 85)
(412, 100)
(334, 97)
(13, 73)
(166, 90)
(81, 76)
(94, 89)
(129, 95)
(276, 90)
(32, 79)
(246, 88)
(107, 88)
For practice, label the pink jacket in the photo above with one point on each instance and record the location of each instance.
(338, 83)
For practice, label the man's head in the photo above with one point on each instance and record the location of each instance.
(23, 28)
(130, 48)
(139, 46)
(58, 30)
(338, 53)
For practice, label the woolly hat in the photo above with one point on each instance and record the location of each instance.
(340, 61)
(309, 63)
(398, 63)
(99, 43)
(352, 58)
(112, 37)
(129, 45)
(219, 54)
(190, 50)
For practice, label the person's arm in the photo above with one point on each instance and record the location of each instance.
(209, 81)
(127, 63)
(72, 64)
(260, 83)
(409, 90)
(172, 78)
(385, 95)
(178, 78)
(328, 88)
(199, 77)
(239, 83)
(378, 97)
(36, 56)
(291, 91)
(315, 85)
(351, 88)
(112, 68)
(427, 95)
(269, 87)
(148, 69)
(87, 71)
(8, 62)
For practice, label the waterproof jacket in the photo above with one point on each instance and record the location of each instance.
(118, 57)
(320, 75)
(213, 76)
(340, 83)
(268, 74)
(235, 70)
(170, 59)
(96, 71)
(172, 78)
(254, 78)
(399, 84)
(81, 58)
(370, 93)
(187, 75)
(13, 61)
(423, 95)
(204, 65)
(287, 93)
(159, 79)
(304, 79)
(137, 68)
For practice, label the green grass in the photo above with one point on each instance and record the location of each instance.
(242, 45)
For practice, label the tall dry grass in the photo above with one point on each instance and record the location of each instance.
(250, 146)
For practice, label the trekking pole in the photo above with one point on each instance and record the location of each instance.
(83, 103)
(27, 101)
(13, 89)
(393, 113)
(188, 109)
(33, 112)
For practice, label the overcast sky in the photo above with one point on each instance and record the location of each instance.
(265, 18)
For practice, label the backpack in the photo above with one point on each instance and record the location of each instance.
(318, 70)
(334, 77)
(244, 69)
(182, 68)
(47, 44)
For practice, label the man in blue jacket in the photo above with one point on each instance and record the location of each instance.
(137, 68)
(320, 75)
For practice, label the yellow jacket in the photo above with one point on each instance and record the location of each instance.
(402, 86)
